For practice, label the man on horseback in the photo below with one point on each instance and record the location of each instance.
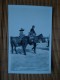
(32, 33)
(21, 35)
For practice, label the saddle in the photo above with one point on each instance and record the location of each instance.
(31, 38)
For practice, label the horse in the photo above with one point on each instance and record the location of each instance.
(15, 42)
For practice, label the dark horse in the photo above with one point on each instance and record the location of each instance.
(15, 42)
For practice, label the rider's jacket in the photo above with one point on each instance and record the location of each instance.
(21, 36)
(31, 34)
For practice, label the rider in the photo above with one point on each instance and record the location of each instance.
(32, 32)
(21, 35)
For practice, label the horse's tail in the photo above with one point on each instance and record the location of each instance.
(11, 42)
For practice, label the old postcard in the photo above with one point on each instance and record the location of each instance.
(29, 39)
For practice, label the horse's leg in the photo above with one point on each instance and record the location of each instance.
(48, 44)
(34, 47)
(15, 50)
(24, 49)
(12, 49)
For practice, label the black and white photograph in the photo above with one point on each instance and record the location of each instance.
(29, 39)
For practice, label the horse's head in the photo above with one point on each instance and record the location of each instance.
(40, 36)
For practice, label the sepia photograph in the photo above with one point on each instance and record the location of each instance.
(29, 39)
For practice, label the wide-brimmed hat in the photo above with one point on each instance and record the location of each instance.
(21, 29)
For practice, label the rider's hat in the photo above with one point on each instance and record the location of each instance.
(33, 26)
(21, 29)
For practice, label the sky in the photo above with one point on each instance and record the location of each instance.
(20, 16)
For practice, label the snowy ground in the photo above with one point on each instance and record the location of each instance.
(38, 61)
